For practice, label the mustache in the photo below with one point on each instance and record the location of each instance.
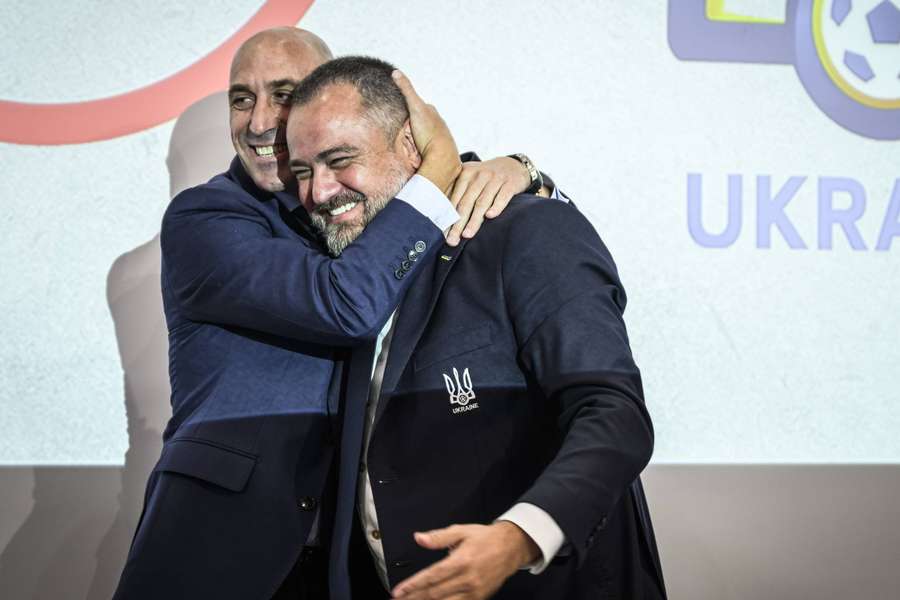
(345, 197)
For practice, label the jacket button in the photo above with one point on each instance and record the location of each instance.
(405, 265)
(412, 255)
(307, 503)
(399, 274)
(419, 246)
(376, 535)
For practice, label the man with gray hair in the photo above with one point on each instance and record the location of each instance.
(499, 414)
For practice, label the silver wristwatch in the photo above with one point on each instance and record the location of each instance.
(537, 180)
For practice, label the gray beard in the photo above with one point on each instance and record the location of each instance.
(340, 235)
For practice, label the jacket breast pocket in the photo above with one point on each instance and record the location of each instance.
(453, 344)
(225, 467)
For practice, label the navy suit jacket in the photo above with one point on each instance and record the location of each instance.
(510, 379)
(255, 312)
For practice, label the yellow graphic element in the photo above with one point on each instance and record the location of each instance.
(833, 73)
(716, 11)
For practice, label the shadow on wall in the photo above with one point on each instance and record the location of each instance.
(76, 524)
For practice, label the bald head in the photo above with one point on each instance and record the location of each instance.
(264, 72)
(304, 45)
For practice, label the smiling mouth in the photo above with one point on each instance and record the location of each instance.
(342, 209)
(267, 151)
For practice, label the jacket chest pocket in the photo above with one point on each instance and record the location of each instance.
(229, 468)
(451, 345)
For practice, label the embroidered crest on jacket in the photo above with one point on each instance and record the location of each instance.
(461, 391)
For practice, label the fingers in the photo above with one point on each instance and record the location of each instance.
(459, 187)
(424, 121)
(424, 584)
(482, 191)
(419, 111)
(440, 538)
(452, 236)
(501, 200)
(409, 92)
(454, 587)
(478, 193)
(433, 140)
(465, 195)
(485, 200)
(475, 569)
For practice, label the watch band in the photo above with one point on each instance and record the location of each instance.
(536, 179)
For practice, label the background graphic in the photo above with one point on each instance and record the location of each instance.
(135, 110)
(749, 354)
(846, 52)
(769, 368)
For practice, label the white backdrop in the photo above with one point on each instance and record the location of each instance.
(748, 354)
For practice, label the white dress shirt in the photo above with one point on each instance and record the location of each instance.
(426, 198)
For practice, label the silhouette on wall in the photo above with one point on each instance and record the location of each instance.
(75, 538)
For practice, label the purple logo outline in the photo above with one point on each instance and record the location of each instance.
(693, 36)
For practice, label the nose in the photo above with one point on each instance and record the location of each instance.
(323, 186)
(265, 117)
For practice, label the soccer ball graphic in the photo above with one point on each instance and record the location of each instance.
(845, 52)
(858, 43)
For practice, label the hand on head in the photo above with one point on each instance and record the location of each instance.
(440, 157)
(477, 190)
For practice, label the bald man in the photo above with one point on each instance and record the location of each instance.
(260, 323)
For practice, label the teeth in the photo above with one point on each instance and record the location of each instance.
(342, 209)
(270, 150)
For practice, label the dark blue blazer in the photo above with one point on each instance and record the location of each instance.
(510, 379)
(255, 312)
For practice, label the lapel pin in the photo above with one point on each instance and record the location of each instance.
(445, 257)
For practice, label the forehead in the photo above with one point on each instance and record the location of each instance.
(335, 117)
(271, 59)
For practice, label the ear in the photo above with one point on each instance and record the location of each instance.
(407, 146)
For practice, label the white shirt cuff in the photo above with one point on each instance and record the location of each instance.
(426, 198)
(541, 528)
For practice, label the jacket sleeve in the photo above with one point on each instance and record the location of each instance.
(566, 304)
(221, 264)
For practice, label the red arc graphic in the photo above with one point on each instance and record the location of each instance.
(106, 118)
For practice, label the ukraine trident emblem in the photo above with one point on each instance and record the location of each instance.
(461, 392)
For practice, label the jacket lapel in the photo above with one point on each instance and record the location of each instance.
(413, 316)
(354, 387)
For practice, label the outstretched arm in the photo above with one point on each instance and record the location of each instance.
(221, 263)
